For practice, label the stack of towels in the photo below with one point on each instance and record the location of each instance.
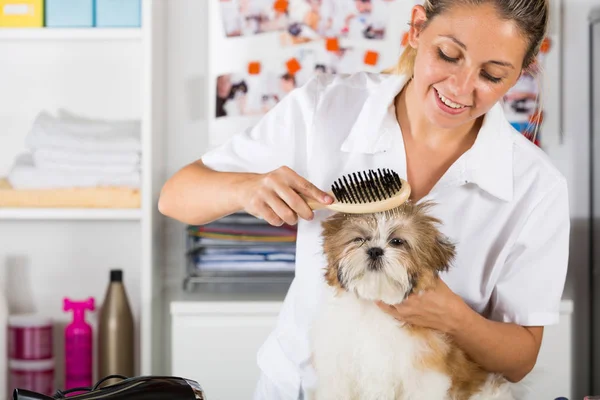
(71, 151)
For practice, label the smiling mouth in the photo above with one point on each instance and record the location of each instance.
(449, 102)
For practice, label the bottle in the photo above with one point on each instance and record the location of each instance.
(115, 332)
(4, 315)
(78, 345)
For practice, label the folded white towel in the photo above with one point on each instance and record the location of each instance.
(67, 115)
(119, 161)
(48, 131)
(100, 169)
(24, 175)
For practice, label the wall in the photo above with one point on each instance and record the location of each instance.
(187, 48)
(576, 131)
(186, 64)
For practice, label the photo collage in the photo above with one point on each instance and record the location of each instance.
(255, 92)
(301, 21)
(332, 36)
(258, 87)
(521, 103)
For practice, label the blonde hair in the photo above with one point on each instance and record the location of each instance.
(530, 16)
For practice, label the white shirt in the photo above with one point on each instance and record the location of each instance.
(502, 202)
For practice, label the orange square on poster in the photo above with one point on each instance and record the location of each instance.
(293, 66)
(332, 44)
(280, 5)
(545, 47)
(254, 68)
(405, 39)
(371, 57)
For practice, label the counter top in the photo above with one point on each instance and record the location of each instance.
(226, 296)
(229, 296)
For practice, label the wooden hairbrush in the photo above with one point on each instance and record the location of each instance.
(366, 192)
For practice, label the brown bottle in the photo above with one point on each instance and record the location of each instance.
(115, 332)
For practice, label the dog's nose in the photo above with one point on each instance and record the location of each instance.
(375, 252)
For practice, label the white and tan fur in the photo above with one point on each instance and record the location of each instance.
(361, 353)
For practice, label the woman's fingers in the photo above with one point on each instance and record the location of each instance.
(295, 202)
(398, 311)
(303, 186)
(387, 308)
(309, 190)
(265, 212)
(277, 197)
(281, 208)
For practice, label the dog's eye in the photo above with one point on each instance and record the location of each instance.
(396, 242)
(358, 239)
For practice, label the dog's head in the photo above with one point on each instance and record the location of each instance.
(385, 256)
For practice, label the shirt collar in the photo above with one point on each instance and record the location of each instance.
(490, 159)
(368, 134)
(488, 164)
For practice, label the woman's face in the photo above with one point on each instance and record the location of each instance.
(467, 59)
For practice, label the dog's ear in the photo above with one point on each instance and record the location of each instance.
(444, 254)
(334, 276)
(331, 227)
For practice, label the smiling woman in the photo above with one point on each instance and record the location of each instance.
(484, 53)
(437, 121)
(468, 54)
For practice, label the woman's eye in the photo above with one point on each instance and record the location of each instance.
(484, 74)
(396, 242)
(444, 57)
(490, 77)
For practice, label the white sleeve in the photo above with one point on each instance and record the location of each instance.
(530, 287)
(279, 138)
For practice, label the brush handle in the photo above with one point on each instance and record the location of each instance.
(317, 205)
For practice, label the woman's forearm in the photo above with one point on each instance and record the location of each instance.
(503, 348)
(197, 195)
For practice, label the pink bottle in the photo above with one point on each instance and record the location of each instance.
(78, 345)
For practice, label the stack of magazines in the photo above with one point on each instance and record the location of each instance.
(242, 243)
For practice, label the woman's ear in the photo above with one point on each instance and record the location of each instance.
(418, 18)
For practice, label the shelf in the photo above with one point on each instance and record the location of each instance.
(70, 33)
(69, 214)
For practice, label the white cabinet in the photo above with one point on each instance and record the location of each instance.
(215, 343)
(552, 376)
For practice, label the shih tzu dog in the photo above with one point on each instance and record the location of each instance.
(361, 353)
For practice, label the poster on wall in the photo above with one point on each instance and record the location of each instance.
(310, 20)
(522, 102)
(254, 92)
(255, 88)
(251, 17)
(345, 60)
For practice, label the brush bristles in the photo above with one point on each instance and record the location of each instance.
(368, 187)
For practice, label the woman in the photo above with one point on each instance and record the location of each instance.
(436, 121)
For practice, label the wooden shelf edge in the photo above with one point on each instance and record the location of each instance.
(69, 214)
(70, 33)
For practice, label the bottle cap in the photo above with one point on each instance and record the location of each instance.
(26, 365)
(29, 321)
(116, 275)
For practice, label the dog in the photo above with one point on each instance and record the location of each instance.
(361, 353)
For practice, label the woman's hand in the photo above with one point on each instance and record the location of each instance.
(505, 348)
(438, 308)
(275, 196)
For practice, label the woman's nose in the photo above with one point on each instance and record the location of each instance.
(463, 84)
